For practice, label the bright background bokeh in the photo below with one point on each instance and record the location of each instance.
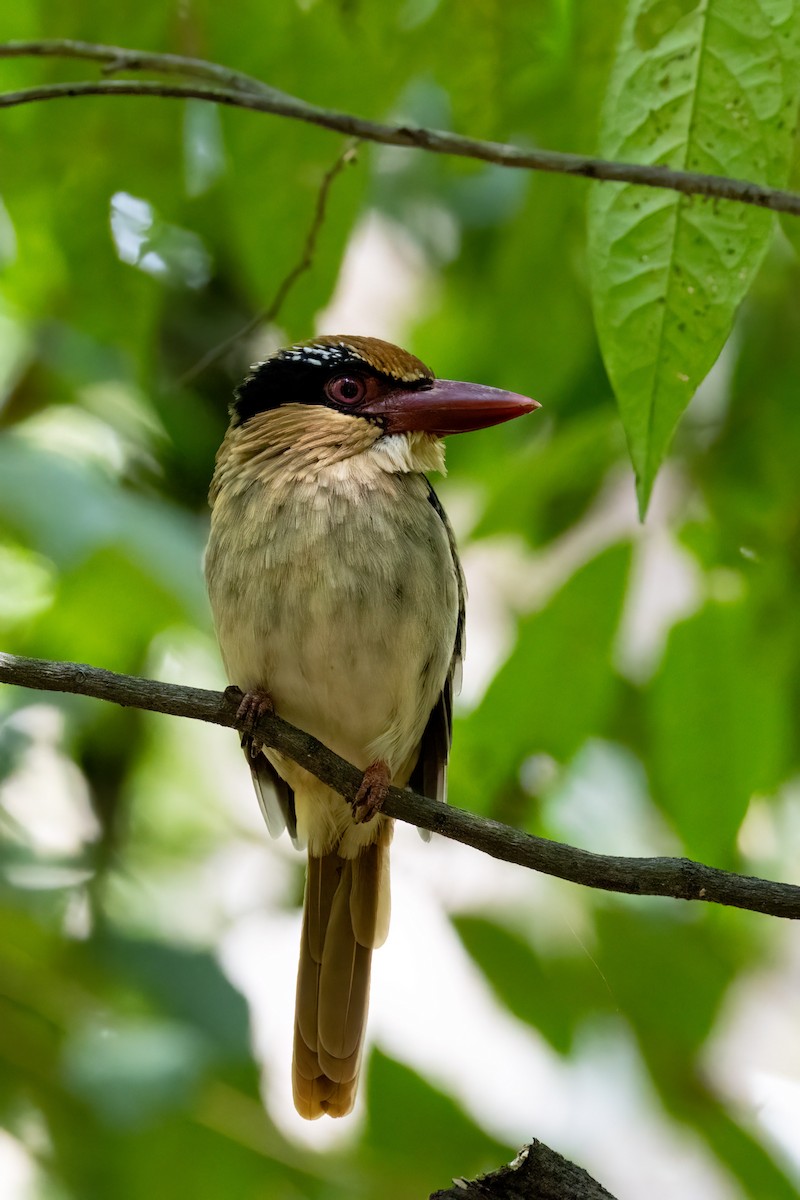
(629, 688)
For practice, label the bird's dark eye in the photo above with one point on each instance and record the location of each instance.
(346, 389)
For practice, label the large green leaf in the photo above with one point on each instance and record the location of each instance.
(693, 963)
(700, 85)
(551, 993)
(421, 1137)
(70, 511)
(718, 719)
(546, 483)
(187, 984)
(555, 689)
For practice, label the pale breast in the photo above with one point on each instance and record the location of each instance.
(344, 607)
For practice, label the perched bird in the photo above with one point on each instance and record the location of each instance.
(338, 600)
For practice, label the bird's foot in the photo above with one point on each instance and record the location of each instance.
(252, 707)
(372, 793)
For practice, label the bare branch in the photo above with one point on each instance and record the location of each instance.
(118, 58)
(241, 91)
(537, 1173)
(268, 315)
(679, 878)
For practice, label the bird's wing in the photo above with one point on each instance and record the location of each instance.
(275, 798)
(430, 774)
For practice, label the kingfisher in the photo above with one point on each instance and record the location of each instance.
(338, 600)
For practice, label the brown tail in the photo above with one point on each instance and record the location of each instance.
(345, 917)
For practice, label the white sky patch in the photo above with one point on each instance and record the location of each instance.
(505, 577)
(754, 1055)
(8, 237)
(47, 796)
(601, 801)
(492, 568)
(203, 146)
(166, 251)
(27, 584)
(260, 954)
(666, 587)
(613, 1103)
(74, 433)
(777, 1100)
(384, 283)
(131, 221)
(16, 342)
(434, 1009)
(17, 1170)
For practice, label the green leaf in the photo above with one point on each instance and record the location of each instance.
(187, 984)
(552, 994)
(698, 85)
(70, 511)
(693, 964)
(789, 222)
(545, 485)
(429, 1139)
(130, 1071)
(555, 689)
(718, 717)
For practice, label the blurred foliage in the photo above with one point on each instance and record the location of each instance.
(648, 693)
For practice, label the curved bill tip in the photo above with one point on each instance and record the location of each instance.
(448, 406)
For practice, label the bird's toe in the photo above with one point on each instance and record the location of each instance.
(252, 707)
(370, 796)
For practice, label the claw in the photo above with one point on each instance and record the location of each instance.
(253, 706)
(372, 793)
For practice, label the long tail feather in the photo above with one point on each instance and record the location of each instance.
(345, 916)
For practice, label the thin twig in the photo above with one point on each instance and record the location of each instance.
(240, 92)
(119, 58)
(679, 878)
(269, 314)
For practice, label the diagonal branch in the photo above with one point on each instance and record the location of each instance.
(679, 878)
(222, 85)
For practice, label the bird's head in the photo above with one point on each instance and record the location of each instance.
(373, 380)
